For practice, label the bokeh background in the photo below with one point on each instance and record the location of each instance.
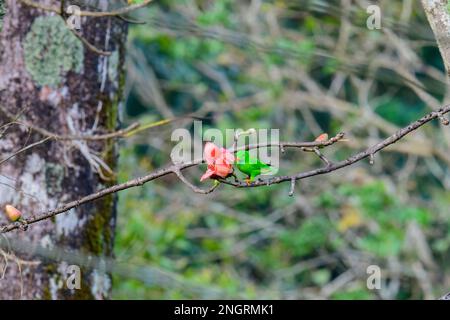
(305, 67)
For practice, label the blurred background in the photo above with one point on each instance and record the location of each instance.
(304, 67)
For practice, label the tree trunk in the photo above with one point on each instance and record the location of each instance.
(49, 79)
(438, 16)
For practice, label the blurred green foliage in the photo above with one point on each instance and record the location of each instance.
(259, 243)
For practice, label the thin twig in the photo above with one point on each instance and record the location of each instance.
(355, 158)
(127, 132)
(24, 149)
(291, 192)
(111, 135)
(193, 187)
(322, 157)
(89, 45)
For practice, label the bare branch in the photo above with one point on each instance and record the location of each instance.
(445, 297)
(89, 45)
(127, 132)
(353, 159)
(97, 195)
(193, 187)
(178, 168)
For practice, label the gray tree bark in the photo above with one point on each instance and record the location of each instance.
(438, 16)
(54, 82)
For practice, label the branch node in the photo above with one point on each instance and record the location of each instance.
(443, 119)
(371, 159)
(322, 157)
(445, 297)
(194, 188)
(22, 225)
(291, 192)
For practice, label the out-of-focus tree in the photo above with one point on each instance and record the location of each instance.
(51, 80)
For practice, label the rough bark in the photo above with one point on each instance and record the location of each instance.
(438, 14)
(84, 85)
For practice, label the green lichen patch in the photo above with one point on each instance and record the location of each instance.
(51, 50)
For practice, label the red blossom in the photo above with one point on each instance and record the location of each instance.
(219, 162)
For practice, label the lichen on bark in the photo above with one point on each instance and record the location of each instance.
(51, 50)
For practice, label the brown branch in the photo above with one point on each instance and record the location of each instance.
(89, 45)
(97, 137)
(111, 135)
(176, 169)
(136, 127)
(97, 195)
(353, 159)
(127, 132)
(322, 157)
(192, 186)
(290, 144)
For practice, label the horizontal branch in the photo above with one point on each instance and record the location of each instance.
(87, 137)
(282, 145)
(127, 132)
(353, 159)
(176, 169)
(97, 195)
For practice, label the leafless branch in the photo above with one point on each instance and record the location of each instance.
(193, 187)
(176, 169)
(89, 45)
(127, 132)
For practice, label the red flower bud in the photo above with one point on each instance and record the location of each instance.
(12, 213)
(322, 138)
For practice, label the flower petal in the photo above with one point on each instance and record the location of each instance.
(222, 168)
(211, 152)
(229, 157)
